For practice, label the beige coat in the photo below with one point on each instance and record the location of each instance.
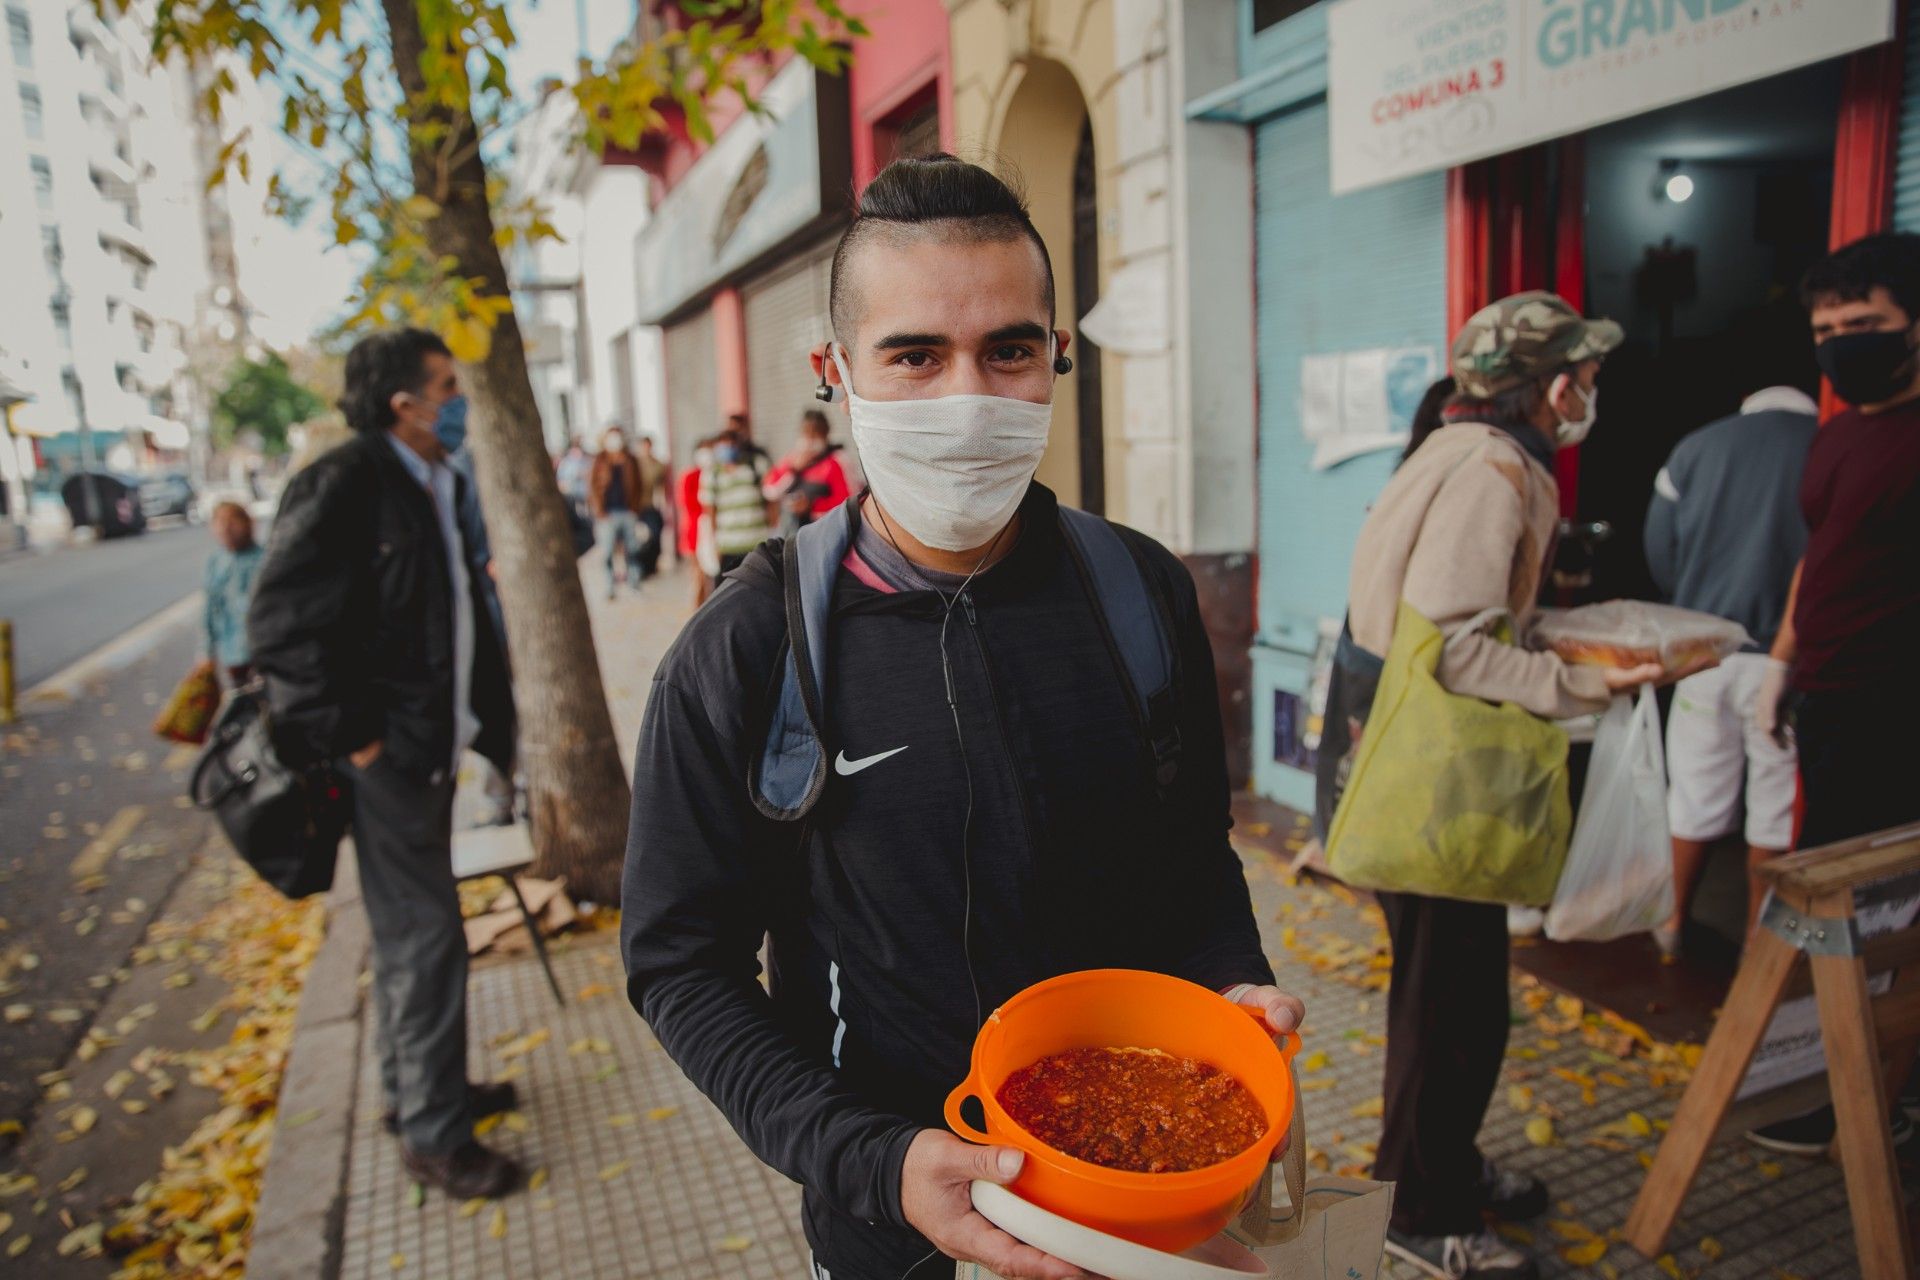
(1466, 525)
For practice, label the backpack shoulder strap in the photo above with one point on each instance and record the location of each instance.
(1139, 628)
(786, 778)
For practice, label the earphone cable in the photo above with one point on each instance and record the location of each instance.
(960, 737)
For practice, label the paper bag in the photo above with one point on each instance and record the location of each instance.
(1339, 1234)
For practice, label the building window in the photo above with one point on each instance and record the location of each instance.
(42, 181)
(1268, 12)
(911, 129)
(62, 321)
(31, 114)
(20, 36)
(76, 399)
(919, 133)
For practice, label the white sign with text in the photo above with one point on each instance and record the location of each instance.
(1418, 85)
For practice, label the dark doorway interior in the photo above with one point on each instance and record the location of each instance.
(1086, 356)
(1707, 286)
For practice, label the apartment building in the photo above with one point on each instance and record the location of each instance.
(101, 243)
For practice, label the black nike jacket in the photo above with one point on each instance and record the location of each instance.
(880, 974)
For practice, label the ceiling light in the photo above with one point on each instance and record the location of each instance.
(1679, 188)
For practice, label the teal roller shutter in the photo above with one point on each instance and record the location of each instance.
(1906, 173)
(1367, 269)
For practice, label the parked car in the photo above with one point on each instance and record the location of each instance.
(116, 511)
(167, 494)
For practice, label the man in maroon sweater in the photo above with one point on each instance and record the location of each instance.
(1846, 663)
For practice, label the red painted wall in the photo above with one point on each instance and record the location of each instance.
(730, 350)
(903, 55)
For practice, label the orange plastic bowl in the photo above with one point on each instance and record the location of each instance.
(1129, 1008)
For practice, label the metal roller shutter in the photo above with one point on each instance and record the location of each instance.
(1906, 172)
(786, 315)
(693, 386)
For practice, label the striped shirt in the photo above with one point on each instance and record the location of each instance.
(731, 491)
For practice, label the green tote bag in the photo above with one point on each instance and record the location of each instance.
(1451, 796)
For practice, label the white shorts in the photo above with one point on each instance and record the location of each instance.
(1713, 747)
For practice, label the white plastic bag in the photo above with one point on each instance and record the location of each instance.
(1619, 873)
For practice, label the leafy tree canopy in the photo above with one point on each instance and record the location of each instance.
(328, 65)
(263, 396)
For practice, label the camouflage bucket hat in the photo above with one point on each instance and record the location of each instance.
(1526, 336)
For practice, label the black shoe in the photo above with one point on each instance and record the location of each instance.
(1511, 1196)
(1477, 1257)
(469, 1172)
(1811, 1133)
(484, 1098)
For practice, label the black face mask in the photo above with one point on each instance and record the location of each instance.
(1867, 368)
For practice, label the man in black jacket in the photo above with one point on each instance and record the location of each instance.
(375, 641)
(992, 816)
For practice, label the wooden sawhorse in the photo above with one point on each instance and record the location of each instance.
(1870, 1040)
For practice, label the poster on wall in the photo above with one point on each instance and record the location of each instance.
(1419, 85)
(1355, 402)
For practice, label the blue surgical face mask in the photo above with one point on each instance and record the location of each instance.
(451, 425)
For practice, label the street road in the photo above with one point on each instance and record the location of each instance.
(98, 836)
(66, 603)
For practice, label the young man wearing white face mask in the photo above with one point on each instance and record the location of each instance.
(983, 799)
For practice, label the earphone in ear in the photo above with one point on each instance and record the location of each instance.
(1063, 365)
(824, 393)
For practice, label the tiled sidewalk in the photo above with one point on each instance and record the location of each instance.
(643, 1178)
(639, 1175)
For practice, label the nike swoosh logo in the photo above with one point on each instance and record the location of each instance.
(847, 768)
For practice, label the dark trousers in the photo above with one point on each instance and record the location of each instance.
(402, 834)
(1856, 763)
(655, 524)
(1446, 1036)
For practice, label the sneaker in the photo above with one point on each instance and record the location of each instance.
(484, 1098)
(468, 1172)
(1511, 1196)
(1477, 1257)
(1811, 1132)
(1525, 922)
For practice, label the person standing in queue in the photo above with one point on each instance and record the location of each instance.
(613, 491)
(730, 497)
(810, 481)
(228, 582)
(1843, 673)
(999, 809)
(1723, 534)
(377, 650)
(1464, 527)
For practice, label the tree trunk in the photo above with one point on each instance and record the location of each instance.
(577, 788)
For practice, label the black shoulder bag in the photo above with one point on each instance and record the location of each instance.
(285, 822)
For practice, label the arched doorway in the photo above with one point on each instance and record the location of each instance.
(1046, 139)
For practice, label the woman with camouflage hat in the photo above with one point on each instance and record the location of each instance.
(1465, 529)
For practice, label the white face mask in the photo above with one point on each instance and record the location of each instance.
(951, 469)
(1571, 431)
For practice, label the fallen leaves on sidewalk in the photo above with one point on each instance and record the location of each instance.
(193, 1216)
